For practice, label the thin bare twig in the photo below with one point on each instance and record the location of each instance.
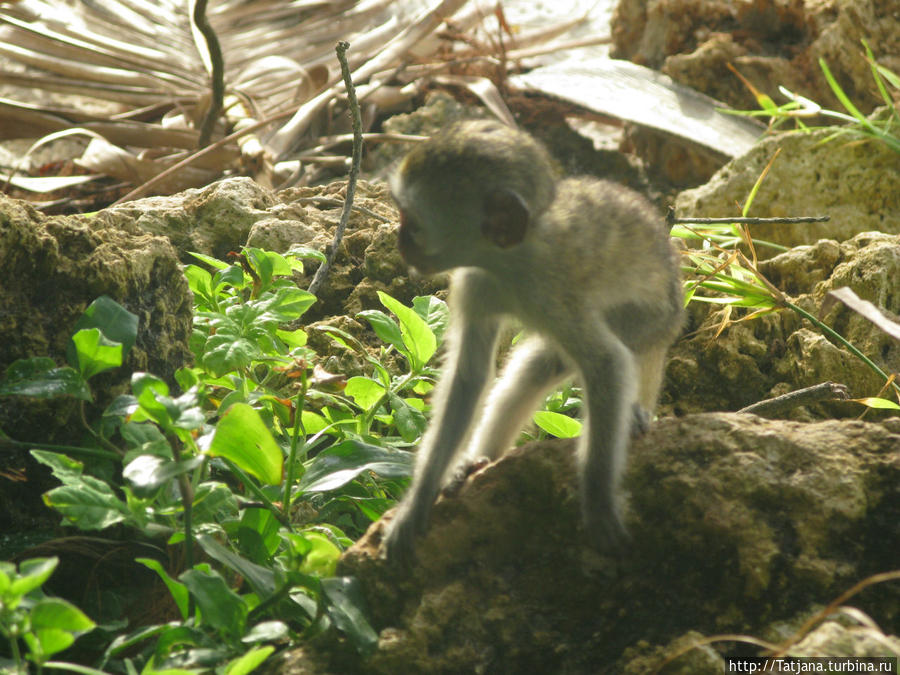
(217, 71)
(329, 201)
(322, 272)
(745, 220)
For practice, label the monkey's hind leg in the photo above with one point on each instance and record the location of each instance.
(609, 374)
(651, 367)
(533, 368)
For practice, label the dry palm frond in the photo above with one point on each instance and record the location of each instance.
(140, 79)
(137, 73)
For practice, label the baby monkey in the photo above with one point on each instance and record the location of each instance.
(584, 265)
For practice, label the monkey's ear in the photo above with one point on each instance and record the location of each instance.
(505, 218)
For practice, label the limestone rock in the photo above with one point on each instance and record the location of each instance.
(213, 220)
(772, 43)
(777, 353)
(51, 269)
(736, 522)
(856, 184)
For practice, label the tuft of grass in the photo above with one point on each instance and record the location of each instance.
(719, 272)
(884, 127)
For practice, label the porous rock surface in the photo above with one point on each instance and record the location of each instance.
(856, 184)
(223, 217)
(771, 42)
(780, 352)
(738, 524)
(52, 268)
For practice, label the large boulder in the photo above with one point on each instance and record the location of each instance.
(51, 269)
(739, 525)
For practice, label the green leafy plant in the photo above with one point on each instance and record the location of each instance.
(43, 625)
(186, 461)
(724, 271)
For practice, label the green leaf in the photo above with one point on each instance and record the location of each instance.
(44, 643)
(340, 464)
(147, 473)
(146, 387)
(144, 438)
(215, 502)
(300, 251)
(115, 322)
(365, 391)
(86, 501)
(226, 353)
(417, 336)
(32, 574)
(209, 260)
(880, 403)
(55, 624)
(343, 604)
(66, 469)
(258, 534)
(313, 422)
(290, 303)
(200, 283)
(409, 422)
(889, 75)
(269, 264)
(323, 555)
(557, 424)
(90, 505)
(221, 608)
(6, 569)
(266, 631)
(385, 328)
(38, 377)
(155, 404)
(231, 275)
(175, 638)
(261, 579)
(24, 369)
(842, 97)
(177, 590)
(242, 437)
(435, 312)
(292, 338)
(251, 660)
(57, 613)
(94, 353)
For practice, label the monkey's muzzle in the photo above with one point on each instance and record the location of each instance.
(410, 248)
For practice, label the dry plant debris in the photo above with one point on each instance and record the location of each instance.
(136, 79)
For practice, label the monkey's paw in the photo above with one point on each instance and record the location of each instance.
(399, 541)
(458, 477)
(640, 420)
(604, 529)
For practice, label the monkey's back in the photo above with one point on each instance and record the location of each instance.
(603, 247)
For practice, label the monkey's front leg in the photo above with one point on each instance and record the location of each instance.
(610, 383)
(470, 366)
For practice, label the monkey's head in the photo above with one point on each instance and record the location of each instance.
(470, 193)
